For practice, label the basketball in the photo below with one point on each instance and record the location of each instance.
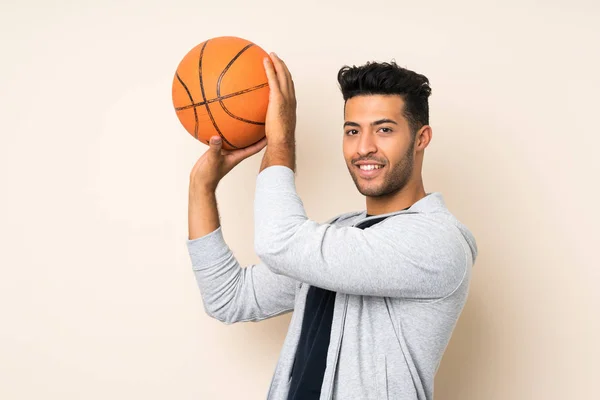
(220, 88)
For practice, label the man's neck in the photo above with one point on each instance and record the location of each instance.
(396, 201)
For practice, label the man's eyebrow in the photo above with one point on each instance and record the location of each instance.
(374, 123)
(384, 121)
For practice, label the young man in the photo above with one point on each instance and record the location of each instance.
(376, 293)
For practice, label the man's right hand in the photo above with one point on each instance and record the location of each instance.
(215, 163)
(211, 167)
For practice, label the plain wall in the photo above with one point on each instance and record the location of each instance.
(97, 295)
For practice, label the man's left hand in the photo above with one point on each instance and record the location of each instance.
(280, 125)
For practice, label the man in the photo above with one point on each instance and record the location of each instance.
(376, 293)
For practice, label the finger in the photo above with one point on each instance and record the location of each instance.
(288, 75)
(292, 87)
(282, 76)
(271, 76)
(215, 144)
(238, 155)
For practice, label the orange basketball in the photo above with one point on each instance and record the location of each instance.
(220, 88)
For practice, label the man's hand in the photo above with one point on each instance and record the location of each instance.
(215, 163)
(280, 125)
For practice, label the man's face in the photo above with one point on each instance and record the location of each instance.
(378, 144)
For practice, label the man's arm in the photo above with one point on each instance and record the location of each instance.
(409, 256)
(230, 293)
(279, 153)
(203, 214)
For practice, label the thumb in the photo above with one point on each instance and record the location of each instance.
(215, 144)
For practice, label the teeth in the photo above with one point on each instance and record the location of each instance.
(369, 167)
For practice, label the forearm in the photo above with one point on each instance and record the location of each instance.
(203, 214)
(280, 153)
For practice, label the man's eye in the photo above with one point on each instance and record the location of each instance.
(351, 132)
(385, 130)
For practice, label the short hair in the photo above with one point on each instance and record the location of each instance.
(389, 79)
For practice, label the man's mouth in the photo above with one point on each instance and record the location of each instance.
(368, 171)
(369, 167)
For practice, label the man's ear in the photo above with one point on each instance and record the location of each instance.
(423, 137)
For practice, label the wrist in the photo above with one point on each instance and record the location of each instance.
(203, 214)
(285, 143)
(200, 191)
(279, 152)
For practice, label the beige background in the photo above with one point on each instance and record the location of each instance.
(97, 296)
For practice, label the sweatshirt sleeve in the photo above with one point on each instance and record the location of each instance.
(409, 255)
(231, 293)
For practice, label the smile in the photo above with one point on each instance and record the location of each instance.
(369, 171)
(370, 167)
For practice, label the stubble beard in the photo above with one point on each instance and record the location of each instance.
(394, 180)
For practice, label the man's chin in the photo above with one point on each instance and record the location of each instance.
(368, 190)
(366, 187)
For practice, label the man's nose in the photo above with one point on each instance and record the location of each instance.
(366, 144)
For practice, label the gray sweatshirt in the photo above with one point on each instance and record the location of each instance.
(401, 285)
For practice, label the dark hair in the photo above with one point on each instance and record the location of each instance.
(389, 78)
